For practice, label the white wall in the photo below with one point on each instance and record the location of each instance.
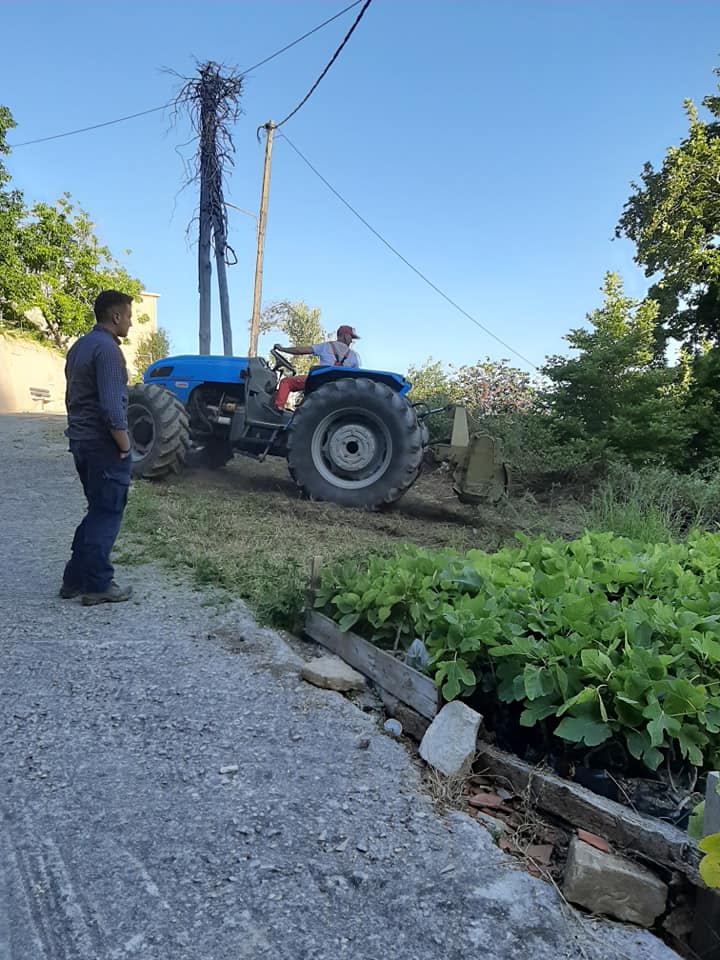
(24, 365)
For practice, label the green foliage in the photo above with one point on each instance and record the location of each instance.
(703, 403)
(300, 324)
(68, 267)
(152, 346)
(434, 385)
(710, 863)
(490, 389)
(598, 638)
(673, 217)
(656, 503)
(14, 283)
(52, 261)
(695, 823)
(616, 396)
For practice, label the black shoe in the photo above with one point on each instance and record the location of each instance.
(113, 594)
(69, 593)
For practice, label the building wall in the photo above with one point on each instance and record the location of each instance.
(27, 367)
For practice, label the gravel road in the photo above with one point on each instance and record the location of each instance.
(121, 837)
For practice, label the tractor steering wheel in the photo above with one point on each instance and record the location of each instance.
(282, 363)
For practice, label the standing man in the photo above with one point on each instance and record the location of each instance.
(334, 353)
(96, 399)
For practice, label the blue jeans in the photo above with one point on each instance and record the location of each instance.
(105, 478)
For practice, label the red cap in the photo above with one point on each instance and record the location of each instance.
(348, 330)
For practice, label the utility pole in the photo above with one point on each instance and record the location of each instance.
(212, 101)
(205, 221)
(257, 295)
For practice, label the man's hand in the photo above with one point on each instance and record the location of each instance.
(123, 441)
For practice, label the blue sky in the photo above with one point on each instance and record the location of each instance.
(493, 143)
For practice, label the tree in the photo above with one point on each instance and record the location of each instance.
(67, 267)
(433, 383)
(152, 346)
(492, 388)
(673, 217)
(15, 287)
(616, 394)
(300, 324)
(52, 261)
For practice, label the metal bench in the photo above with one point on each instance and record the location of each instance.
(41, 394)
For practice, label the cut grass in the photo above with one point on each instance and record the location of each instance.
(245, 530)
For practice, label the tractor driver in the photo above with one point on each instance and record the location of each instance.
(334, 353)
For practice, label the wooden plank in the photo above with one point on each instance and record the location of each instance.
(314, 583)
(645, 837)
(408, 685)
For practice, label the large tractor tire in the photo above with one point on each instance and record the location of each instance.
(356, 442)
(159, 430)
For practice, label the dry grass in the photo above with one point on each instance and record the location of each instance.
(246, 530)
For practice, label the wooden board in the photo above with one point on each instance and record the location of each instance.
(408, 685)
(645, 837)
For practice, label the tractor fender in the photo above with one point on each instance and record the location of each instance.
(319, 376)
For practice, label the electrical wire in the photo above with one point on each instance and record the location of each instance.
(164, 106)
(334, 57)
(94, 126)
(303, 37)
(404, 259)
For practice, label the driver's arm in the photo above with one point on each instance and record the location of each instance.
(295, 351)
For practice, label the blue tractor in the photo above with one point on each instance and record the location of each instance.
(355, 439)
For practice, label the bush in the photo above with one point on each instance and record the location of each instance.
(598, 640)
(656, 503)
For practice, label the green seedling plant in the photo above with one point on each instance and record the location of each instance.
(599, 638)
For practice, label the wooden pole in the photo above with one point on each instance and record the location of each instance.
(220, 238)
(257, 295)
(204, 265)
(314, 583)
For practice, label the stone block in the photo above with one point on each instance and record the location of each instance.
(331, 673)
(450, 741)
(612, 886)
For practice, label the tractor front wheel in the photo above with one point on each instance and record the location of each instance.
(159, 430)
(355, 441)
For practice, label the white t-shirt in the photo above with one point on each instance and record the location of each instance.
(330, 358)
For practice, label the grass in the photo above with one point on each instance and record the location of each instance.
(246, 531)
(654, 504)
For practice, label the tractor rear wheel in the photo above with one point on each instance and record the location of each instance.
(159, 430)
(356, 442)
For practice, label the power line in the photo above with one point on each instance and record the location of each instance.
(334, 57)
(95, 126)
(303, 37)
(143, 113)
(404, 259)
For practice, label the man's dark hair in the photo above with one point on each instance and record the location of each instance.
(108, 300)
